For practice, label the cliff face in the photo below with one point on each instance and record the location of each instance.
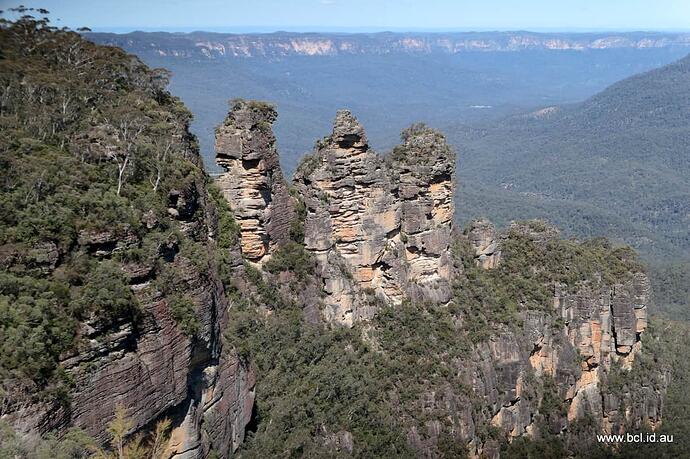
(589, 336)
(150, 364)
(424, 166)
(128, 280)
(569, 367)
(380, 230)
(117, 293)
(253, 183)
(378, 227)
(228, 46)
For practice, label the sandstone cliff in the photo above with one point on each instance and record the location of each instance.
(150, 363)
(254, 184)
(344, 316)
(380, 230)
(565, 368)
(379, 227)
(231, 46)
(116, 296)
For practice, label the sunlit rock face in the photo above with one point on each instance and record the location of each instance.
(592, 332)
(380, 227)
(253, 182)
(424, 167)
(483, 240)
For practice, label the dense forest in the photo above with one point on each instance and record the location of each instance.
(91, 146)
(614, 165)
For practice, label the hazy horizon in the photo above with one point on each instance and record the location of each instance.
(366, 30)
(245, 16)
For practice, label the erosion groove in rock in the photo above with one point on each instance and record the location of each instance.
(379, 226)
(342, 315)
(253, 182)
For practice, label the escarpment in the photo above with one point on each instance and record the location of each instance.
(545, 332)
(590, 333)
(114, 297)
(150, 339)
(567, 362)
(340, 316)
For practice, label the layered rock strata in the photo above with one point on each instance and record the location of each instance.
(253, 182)
(424, 169)
(593, 332)
(379, 227)
(147, 362)
(484, 241)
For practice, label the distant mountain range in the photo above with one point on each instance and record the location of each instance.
(223, 45)
(390, 80)
(617, 163)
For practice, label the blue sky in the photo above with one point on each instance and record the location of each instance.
(368, 15)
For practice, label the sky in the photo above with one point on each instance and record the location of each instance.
(366, 15)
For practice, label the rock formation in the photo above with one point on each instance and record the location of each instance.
(150, 365)
(253, 182)
(424, 166)
(380, 230)
(483, 240)
(379, 227)
(215, 46)
(592, 328)
(127, 301)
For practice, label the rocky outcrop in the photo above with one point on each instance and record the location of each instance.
(379, 228)
(148, 362)
(483, 240)
(253, 182)
(556, 369)
(424, 169)
(578, 354)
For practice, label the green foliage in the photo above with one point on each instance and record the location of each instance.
(297, 225)
(291, 257)
(420, 142)
(552, 406)
(309, 377)
(308, 164)
(228, 229)
(547, 447)
(314, 381)
(90, 146)
(35, 327)
(75, 444)
(183, 311)
(105, 294)
(615, 165)
(265, 109)
(671, 289)
(527, 275)
(427, 339)
(227, 237)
